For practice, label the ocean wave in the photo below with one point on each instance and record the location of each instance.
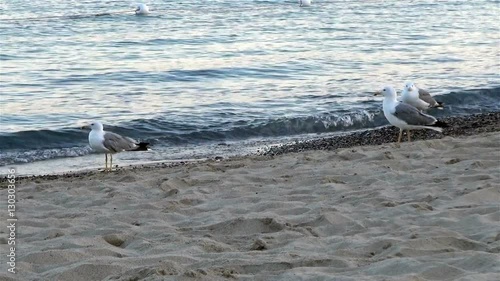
(32, 155)
(36, 145)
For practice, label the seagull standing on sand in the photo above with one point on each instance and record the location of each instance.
(405, 116)
(419, 98)
(142, 9)
(111, 143)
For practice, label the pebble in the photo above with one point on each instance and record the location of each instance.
(457, 126)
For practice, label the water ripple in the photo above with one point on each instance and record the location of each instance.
(211, 70)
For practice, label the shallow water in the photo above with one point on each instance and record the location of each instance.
(194, 74)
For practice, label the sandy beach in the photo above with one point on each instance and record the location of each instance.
(427, 210)
(249, 140)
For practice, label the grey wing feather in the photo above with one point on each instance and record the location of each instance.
(413, 116)
(116, 143)
(426, 96)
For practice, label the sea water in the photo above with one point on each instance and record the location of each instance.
(199, 79)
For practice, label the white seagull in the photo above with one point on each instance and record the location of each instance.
(111, 143)
(405, 116)
(142, 9)
(419, 98)
(304, 3)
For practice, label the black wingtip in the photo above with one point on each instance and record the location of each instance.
(439, 104)
(142, 146)
(440, 124)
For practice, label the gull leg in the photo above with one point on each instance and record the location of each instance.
(400, 135)
(408, 132)
(106, 163)
(111, 162)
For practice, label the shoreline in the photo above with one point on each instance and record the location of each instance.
(426, 210)
(458, 126)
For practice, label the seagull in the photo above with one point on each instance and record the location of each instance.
(111, 143)
(304, 3)
(405, 116)
(142, 9)
(419, 98)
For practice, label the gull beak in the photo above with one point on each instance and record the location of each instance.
(377, 93)
(86, 127)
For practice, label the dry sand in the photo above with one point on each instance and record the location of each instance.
(429, 210)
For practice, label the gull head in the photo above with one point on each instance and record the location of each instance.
(387, 92)
(410, 87)
(142, 9)
(97, 126)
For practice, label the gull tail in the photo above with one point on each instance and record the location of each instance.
(142, 146)
(439, 105)
(440, 124)
(437, 126)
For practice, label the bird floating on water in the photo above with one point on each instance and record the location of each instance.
(304, 3)
(142, 9)
(419, 98)
(405, 116)
(111, 143)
